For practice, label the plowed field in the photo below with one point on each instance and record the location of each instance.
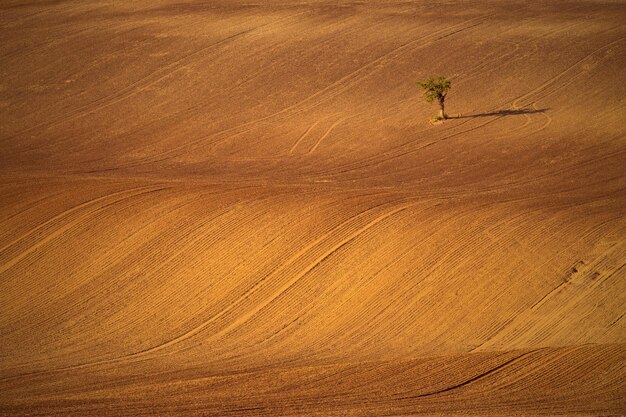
(229, 208)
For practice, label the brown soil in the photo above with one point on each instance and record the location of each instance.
(230, 208)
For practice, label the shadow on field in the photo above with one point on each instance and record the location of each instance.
(508, 112)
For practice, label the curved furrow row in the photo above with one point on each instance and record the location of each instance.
(15, 258)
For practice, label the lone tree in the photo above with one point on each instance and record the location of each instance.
(436, 88)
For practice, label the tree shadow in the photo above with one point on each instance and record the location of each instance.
(508, 112)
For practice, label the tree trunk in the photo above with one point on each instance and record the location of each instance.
(442, 113)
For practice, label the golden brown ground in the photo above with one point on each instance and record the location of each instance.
(226, 208)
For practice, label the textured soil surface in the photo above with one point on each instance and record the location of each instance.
(230, 208)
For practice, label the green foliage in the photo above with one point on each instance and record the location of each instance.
(435, 88)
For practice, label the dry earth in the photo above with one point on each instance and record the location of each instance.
(228, 208)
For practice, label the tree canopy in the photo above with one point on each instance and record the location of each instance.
(435, 88)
